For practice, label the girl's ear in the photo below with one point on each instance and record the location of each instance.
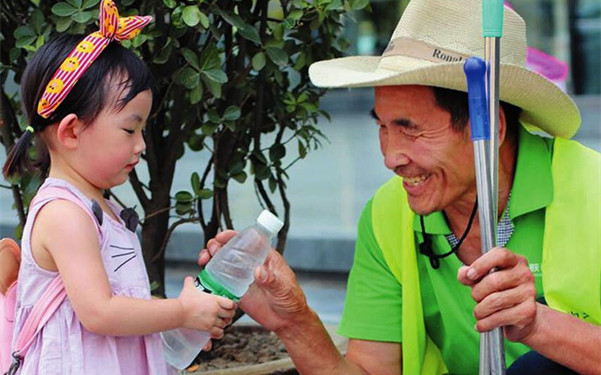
(68, 131)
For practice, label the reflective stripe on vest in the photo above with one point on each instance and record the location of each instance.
(572, 240)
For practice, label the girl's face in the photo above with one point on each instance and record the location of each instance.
(111, 146)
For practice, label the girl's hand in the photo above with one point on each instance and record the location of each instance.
(205, 312)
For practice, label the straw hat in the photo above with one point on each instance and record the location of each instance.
(429, 46)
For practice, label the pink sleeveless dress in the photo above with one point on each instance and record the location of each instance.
(64, 346)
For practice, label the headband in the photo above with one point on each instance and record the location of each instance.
(85, 53)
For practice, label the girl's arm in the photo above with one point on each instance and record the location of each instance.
(64, 238)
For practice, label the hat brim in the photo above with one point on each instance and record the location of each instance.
(544, 105)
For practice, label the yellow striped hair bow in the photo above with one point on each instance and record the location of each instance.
(85, 53)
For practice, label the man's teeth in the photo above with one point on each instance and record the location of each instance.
(415, 180)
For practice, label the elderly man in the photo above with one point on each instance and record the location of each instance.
(419, 292)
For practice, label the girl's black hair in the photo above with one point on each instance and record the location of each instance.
(86, 99)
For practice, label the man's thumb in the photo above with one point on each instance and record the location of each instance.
(262, 277)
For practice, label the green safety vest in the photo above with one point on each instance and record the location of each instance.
(571, 241)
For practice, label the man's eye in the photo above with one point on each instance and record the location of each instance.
(129, 131)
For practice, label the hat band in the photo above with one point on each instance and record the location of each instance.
(422, 50)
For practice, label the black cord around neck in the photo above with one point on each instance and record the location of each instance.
(425, 248)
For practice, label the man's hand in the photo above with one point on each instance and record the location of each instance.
(505, 298)
(274, 300)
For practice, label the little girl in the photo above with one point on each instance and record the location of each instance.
(87, 102)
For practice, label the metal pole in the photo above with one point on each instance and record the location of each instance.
(492, 31)
(492, 56)
(492, 356)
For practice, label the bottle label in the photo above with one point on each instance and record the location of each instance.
(200, 286)
(205, 282)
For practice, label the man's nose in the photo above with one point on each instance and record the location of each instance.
(396, 152)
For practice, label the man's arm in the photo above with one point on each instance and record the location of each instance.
(313, 352)
(506, 298)
(276, 301)
(567, 340)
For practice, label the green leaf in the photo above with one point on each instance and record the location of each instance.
(240, 177)
(164, 53)
(216, 75)
(196, 94)
(277, 152)
(195, 142)
(183, 208)
(13, 54)
(37, 21)
(195, 182)
(295, 15)
(191, 15)
(359, 4)
(335, 5)
(302, 150)
(292, 19)
(204, 20)
(278, 32)
(300, 61)
(262, 172)
(278, 56)
(24, 31)
(184, 196)
(272, 184)
(26, 42)
(63, 23)
(170, 3)
(63, 9)
(237, 168)
(231, 113)
(39, 42)
(75, 3)
(258, 61)
(259, 156)
(209, 128)
(191, 58)
(213, 115)
(250, 33)
(188, 78)
(246, 30)
(205, 194)
(81, 17)
(90, 4)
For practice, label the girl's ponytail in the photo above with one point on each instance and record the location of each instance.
(17, 160)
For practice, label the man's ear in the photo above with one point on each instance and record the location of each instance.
(502, 125)
(68, 131)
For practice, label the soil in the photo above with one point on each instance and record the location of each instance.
(241, 346)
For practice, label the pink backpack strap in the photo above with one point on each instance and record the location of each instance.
(40, 314)
(55, 294)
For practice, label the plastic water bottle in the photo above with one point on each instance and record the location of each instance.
(182, 345)
(228, 274)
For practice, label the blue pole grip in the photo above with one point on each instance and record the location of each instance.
(475, 73)
(492, 18)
